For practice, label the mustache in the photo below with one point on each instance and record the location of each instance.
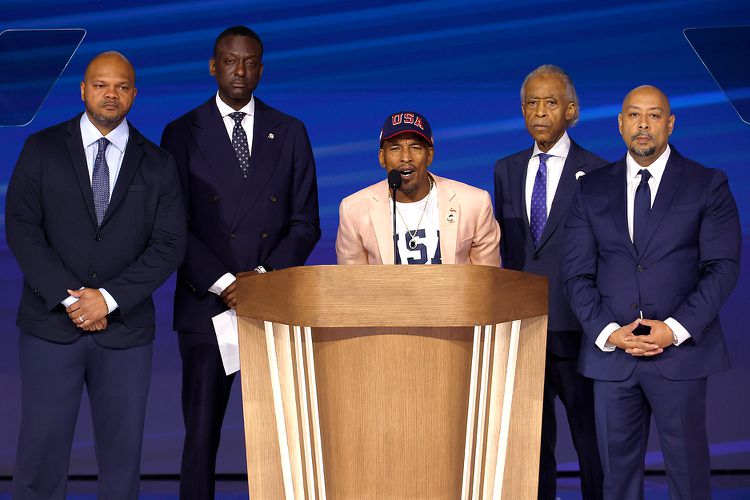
(109, 103)
(641, 134)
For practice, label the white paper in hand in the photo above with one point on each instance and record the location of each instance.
(225, 325)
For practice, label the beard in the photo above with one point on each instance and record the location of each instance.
(106, 119)
(642, 151)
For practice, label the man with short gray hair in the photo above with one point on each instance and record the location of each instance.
(533, 191)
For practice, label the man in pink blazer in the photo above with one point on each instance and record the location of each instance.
(439, 221)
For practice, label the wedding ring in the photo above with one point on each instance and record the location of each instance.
(80, 319)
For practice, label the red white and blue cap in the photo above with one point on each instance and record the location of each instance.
(406, 122)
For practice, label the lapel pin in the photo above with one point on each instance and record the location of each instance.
(452, 209)
(580, 174)
(271, 136)
(451, 218)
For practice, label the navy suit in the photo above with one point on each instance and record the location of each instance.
(235, 224)
(52, 230)
(564, 332)
(685, 270)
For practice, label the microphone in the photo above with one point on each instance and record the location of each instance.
(394, 182)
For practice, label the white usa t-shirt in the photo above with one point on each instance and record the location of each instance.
(421, 243)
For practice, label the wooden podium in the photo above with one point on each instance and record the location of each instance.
(392, 382)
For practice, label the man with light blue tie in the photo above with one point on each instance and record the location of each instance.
(533, 192)
(95, 220)
(654, 236)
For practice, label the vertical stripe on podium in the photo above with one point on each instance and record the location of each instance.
(471, 415)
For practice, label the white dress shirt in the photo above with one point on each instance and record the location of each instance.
(248, 122)
(118, 141)
(556, 162)
(633, 177)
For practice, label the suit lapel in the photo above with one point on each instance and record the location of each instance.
(670, 183)
(450, 215)
(517, 178)
(131, 161)
(263, 159)
(212, 140)
(382, 223)
(74, 143)
(564, 193)
(618, 192)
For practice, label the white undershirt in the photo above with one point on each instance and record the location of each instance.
(425, 235)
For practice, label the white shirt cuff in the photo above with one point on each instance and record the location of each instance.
(601, 340)
(111, 302)
(69, 301)
(222, 283)
(679, 330)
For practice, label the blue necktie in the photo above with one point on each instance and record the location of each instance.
(641, 209)
(539, 199)
(100, 180)
(239, 142)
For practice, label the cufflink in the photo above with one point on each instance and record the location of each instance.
(675, 340)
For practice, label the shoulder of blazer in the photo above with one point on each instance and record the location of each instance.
(521, 157)
(584, 156)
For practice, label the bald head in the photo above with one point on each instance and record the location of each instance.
(108, 90)
(108, 59)
(646, 122)
(650, 92)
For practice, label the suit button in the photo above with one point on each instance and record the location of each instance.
(264, 235)
(217, 198)
(274, 199)
(634, 306)
(98, 237)
(640, 269)
(705, 330)
(94, 275)
(232, 236)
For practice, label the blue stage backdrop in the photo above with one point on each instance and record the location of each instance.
(342, 67)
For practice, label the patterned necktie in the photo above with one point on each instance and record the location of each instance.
(100, 180)
(239, 142)
(641, 208)
(539, 199)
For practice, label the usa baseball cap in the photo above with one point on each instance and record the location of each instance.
(405, 122)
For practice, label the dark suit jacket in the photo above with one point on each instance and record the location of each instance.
(51, 228)
(687, 269)
(517, 246)
(270, 219)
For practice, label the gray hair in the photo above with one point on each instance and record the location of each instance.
(551, 69)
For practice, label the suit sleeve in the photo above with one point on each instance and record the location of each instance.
(201, 268)
(579, 272)
(485, 248)
(24, 230)
(349, 248)
(164, 251)
(719, 241)
(303, 226)
(499, 208)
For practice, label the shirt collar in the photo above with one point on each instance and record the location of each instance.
(117, 137)
(656, 169)
(560, 149)
(225, 109)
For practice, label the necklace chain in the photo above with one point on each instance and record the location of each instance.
(424, 211)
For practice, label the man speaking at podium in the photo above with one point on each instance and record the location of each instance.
(438, 220)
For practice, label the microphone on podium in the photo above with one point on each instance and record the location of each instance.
(394, 182)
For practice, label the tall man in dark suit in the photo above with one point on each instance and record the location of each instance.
(95, 220)
(657, 236)
(533, 192)
(248, 180)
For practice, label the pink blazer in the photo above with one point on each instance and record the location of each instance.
(469, 233)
